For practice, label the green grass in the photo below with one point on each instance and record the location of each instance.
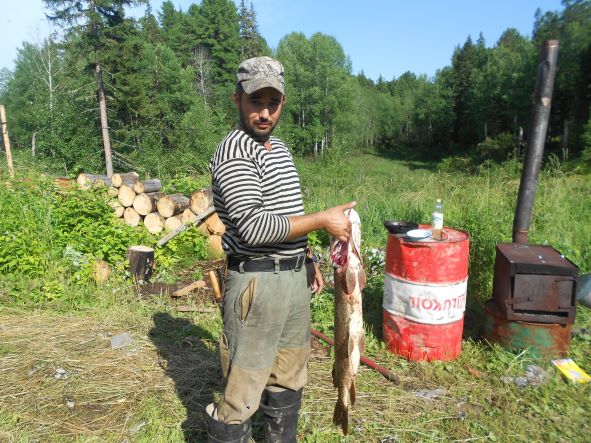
(155, 390)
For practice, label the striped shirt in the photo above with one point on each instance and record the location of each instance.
(255, 190)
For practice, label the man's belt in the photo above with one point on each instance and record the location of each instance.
(244, 264)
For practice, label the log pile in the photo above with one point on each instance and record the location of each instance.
(142, 203)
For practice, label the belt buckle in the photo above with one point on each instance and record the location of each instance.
(300, 262)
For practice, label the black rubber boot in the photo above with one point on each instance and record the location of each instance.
(219, 432)
(281, 410)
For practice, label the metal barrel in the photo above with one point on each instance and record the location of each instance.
(425, 285)
(540, 114)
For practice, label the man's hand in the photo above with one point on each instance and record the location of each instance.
(332, 220)
(317, 280)
(337, 224)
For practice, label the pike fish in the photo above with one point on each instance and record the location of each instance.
(349, 336)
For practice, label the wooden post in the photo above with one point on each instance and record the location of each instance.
(6, 141)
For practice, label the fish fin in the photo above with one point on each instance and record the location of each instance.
(350, 280)
(362, 343)
(341, 416)
(362, 278)
(334, 376)
(352, 392)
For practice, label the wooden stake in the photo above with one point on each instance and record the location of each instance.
(6, 141)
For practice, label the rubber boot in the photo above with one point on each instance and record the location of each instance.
(281, 411)
(219, 432)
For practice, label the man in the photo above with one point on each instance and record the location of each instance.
(266, 309)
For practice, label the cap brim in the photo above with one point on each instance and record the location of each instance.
(251, 86)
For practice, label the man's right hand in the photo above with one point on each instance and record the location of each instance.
(337, 224)
(332, 220)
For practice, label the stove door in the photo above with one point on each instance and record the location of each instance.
(548, 293)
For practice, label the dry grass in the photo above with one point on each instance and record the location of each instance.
(105, 388)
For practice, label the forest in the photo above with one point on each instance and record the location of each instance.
(157, 90)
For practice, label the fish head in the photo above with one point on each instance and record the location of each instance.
(341, 250)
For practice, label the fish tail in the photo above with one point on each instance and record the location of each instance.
(341, 416)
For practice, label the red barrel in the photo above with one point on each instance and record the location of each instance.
(425, 285)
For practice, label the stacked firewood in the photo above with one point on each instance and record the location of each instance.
(142, 202)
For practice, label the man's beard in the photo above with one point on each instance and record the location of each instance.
(250, 130)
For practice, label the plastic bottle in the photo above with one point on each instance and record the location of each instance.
(437, 220)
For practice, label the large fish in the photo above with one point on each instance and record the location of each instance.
(349, 336)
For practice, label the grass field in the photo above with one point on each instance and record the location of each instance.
(155, 389)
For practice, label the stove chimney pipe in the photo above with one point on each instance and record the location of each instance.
(535, 140)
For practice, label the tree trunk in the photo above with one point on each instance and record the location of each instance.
(131, 217)
(154, 223)
(112, 191)
(126, 196)
(86, 181)
(146, 186)
(172, 223)
(170, 205)
(104, 121)
(201, 200)
(128, 178)
(565, 142)
(6, 141)
(141, 262)
(33, 144)
(145, 204)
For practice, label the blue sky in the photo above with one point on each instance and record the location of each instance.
(381, 37)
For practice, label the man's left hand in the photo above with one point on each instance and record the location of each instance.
(318, 280)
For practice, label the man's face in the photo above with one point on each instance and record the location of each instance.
(259, 111)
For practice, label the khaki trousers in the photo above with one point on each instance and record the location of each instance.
(266, 338)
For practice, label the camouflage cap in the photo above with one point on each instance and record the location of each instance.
(261, 72)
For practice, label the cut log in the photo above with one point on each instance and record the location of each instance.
(214, 224)
(154, 223)
(86, 181)
(172, 223)
(215, 245)
(146, 186)
(145, 204)
(128, 178)
(62, 182)
(112, 191)
(174, 204)
(101, 271)
(201, 200)
(187, 216)
(118, 209)
(184, 227)
(131, 217)
(141, 262)
(126, 195)
(189, 288)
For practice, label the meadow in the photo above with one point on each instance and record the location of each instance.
(54, 316)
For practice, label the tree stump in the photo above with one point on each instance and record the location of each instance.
(170, 205)
(128, 178)
(147, 186)
(145, 204)
(201, 200)
(141, 262)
